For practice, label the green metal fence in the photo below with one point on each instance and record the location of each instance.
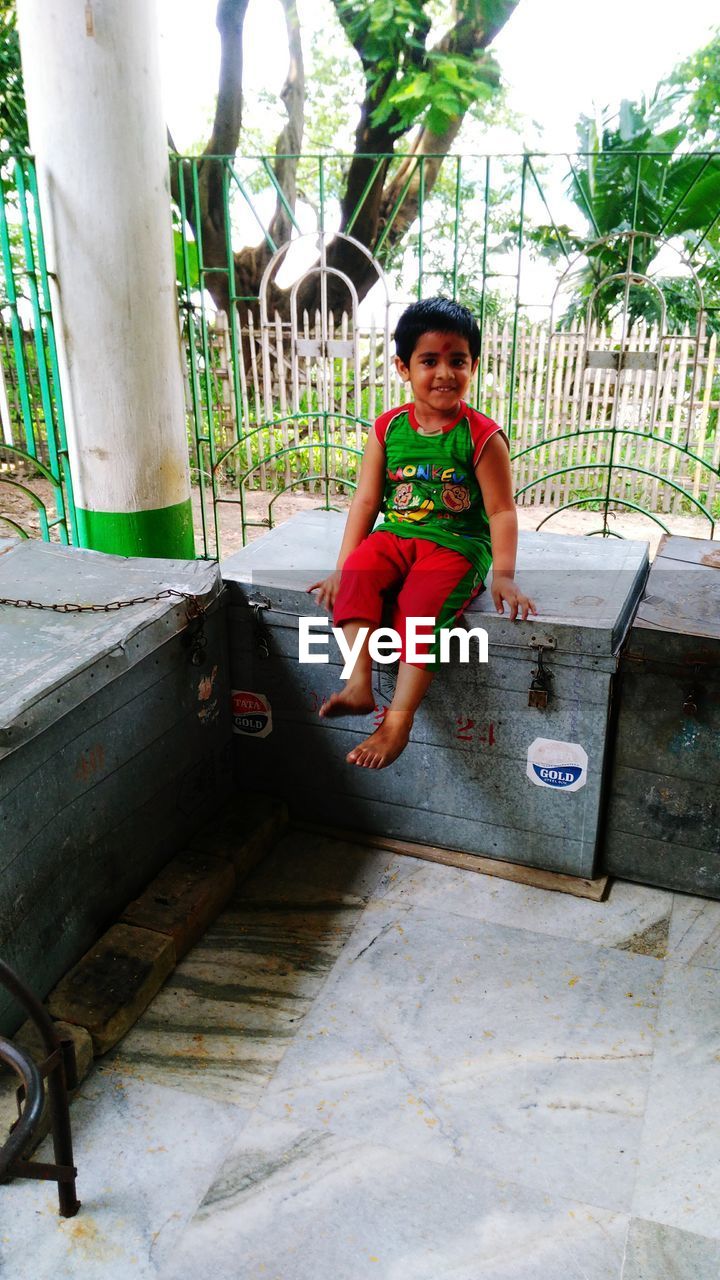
(595, 280)
(36, 496)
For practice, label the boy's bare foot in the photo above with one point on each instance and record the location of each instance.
(384, 745)
(348, 702)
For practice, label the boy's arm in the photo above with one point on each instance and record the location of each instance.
(361, 516)
(367, 499)
(495, 480)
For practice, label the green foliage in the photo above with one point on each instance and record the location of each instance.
(187, 266)
(438, 95)
(13, 120)
(410, 84)
(386, 30)
(635, 176)
(698, 81)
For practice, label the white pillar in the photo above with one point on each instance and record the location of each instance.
(92, 83)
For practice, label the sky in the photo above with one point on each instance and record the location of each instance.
(558, 57)
(561, 56)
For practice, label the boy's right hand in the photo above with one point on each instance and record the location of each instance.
(327, 590)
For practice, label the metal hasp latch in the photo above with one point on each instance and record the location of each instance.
(541, 682)
(690, 703)
(262, 635)
(196, 638)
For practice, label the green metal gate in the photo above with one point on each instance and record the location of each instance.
(36, 496)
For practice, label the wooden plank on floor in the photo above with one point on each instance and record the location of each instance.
(577, 886)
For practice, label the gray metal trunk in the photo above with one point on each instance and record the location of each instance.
(475, 775)
(664, 813)
(113, 745)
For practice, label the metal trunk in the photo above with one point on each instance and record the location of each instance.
(664, 814)
(113, 743)
(485, 771)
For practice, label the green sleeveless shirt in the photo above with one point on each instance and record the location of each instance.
(430, 486)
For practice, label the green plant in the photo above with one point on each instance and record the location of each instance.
(634, 175)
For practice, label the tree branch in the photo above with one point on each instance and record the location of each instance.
(477, 22)
(225, 135)
(372, 140)
(289, 143)
(228, 111)
(367, 202)
(477, 25)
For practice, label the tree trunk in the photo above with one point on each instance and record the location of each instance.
(369, 201)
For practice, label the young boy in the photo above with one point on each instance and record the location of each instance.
(440, 472)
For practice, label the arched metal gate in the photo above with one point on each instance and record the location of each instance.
(629, 370)
(309, 383)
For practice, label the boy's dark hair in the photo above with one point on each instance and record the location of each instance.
(435, 315)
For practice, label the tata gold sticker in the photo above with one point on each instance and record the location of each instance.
(251, 713)
(560, 765)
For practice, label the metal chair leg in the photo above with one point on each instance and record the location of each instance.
(60, 1071)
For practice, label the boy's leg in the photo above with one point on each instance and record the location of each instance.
(356, 698)
(440, 585)
(390, 740)
(378, 564)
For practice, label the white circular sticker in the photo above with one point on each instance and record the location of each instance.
(560, 765)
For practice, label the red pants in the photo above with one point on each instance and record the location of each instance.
(434, 582)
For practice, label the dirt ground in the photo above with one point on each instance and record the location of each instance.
(622, 523)
(15, 505)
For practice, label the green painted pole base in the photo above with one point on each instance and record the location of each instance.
(166, 532)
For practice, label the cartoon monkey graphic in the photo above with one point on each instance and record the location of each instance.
(455, 497)
(403, 496)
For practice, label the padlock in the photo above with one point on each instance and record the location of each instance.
(537, 698)
(540, 684)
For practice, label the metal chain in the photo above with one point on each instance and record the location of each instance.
(195, 608)
(195, 614)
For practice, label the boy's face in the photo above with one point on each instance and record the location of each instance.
(439, 373)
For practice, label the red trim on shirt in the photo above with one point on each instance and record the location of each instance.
(481, 427)
(481, 430)
(383, 422)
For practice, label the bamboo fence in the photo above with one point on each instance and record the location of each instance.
(572, 407)
(286, 417)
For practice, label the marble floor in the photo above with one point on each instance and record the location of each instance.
(373, 1066)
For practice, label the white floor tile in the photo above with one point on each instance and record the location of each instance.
(695, 932)
(679, 1177)
(306, 1204)
(524, 1055)
(145, 1157)
(633, 917)
(654, 1252)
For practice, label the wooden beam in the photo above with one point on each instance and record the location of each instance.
(556, 881)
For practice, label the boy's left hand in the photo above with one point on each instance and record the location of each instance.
(506, 589)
